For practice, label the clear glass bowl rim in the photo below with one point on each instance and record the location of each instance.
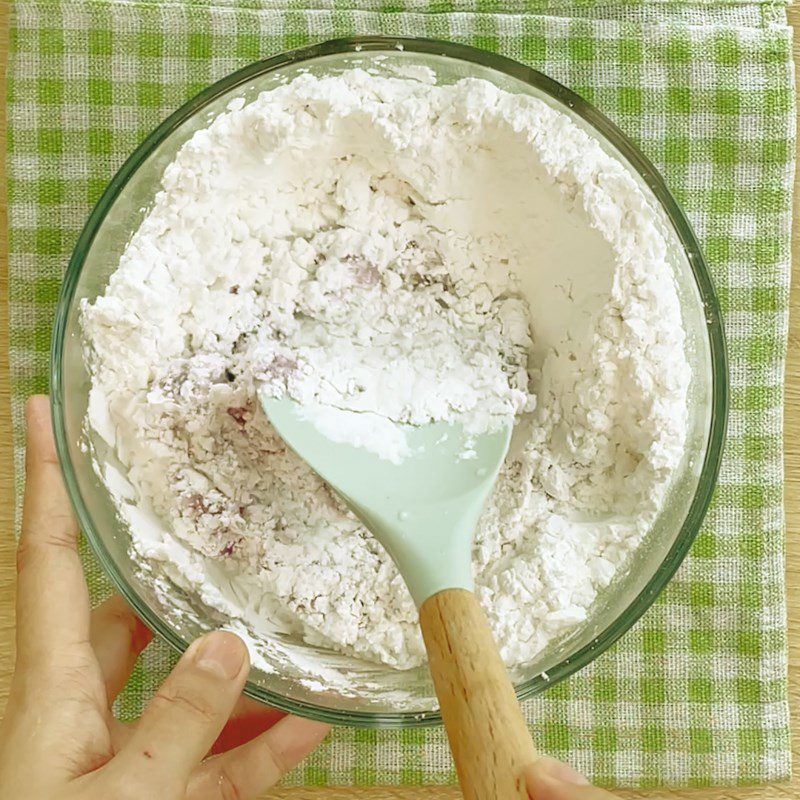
(681, 225)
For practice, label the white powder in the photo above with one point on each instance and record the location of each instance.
(409, 252)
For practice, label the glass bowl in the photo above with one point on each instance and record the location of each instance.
(371, 700)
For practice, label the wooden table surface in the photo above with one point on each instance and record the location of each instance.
(792, 461)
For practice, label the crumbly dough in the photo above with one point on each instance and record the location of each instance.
(419, 252)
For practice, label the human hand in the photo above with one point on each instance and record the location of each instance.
(59, 739)
(548, 779)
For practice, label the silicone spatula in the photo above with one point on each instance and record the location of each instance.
(424, 511)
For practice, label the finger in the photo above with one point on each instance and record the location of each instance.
(52, 600)
(118, 637)
(250, 769)
(121, 733)
(182, 721)
(548, 779)
(248, 720)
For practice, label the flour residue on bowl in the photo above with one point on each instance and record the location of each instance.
(408, 252)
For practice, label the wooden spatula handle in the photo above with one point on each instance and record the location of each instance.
(488, 736)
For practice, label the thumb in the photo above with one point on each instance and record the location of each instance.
(182, 721)
(548, 779)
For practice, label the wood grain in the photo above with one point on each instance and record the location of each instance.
(488, 735)
(792, 463)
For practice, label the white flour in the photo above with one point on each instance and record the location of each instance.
(388, 246)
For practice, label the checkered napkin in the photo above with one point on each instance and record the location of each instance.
(696, 693)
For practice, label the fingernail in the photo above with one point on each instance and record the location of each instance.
(560, 772)
(221, 653)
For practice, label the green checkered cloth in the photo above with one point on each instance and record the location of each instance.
(696, 693)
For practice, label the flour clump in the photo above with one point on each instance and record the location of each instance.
(393, 251)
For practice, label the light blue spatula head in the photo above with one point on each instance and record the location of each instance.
(424, 509)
